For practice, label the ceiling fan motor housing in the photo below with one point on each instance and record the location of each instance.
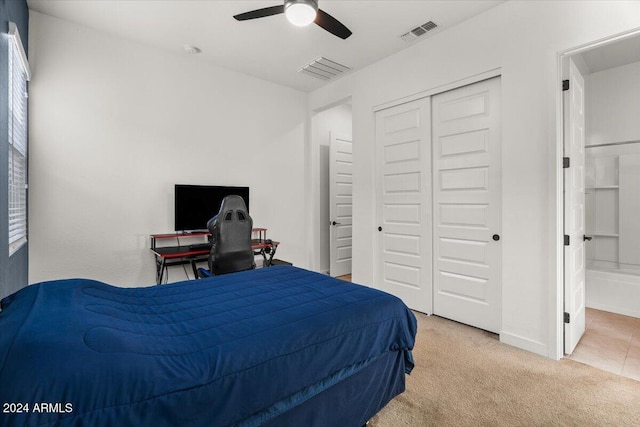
(312, 3)
(301, 12)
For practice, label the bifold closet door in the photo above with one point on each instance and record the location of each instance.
(403, 170)
(467, 205)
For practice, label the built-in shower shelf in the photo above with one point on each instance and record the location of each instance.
(613, 205)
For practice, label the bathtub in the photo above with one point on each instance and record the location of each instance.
(614, 290)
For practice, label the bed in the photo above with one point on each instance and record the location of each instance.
(278, 346)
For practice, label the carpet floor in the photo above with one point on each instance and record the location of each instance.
(466, 377)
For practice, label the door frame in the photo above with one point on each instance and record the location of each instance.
(556, 303)
(476, 78)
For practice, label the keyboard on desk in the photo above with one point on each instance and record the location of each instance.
(200, 247)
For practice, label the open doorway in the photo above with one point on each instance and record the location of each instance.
(332, 132)
(602, 200)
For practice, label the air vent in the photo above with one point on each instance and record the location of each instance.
(323, 68)
(418, 31)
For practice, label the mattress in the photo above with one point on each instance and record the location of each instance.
(233, 350)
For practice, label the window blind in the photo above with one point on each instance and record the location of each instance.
(18, 102)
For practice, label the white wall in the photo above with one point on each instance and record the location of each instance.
(613, 105)
(337, 120)
(115, 124)
(523, 39)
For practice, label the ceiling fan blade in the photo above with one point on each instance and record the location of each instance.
(331, 24)
(260, 13)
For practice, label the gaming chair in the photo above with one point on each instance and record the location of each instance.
(231, 239)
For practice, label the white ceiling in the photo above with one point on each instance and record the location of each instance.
(617, 54)
(269, 48)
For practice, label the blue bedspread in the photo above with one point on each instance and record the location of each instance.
(237, 349)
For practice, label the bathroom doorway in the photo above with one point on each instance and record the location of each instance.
(611, 187)
(331, 134)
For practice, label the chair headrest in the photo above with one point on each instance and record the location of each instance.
(233, 203)
(233, 211)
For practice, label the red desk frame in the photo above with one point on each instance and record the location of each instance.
(166, 256)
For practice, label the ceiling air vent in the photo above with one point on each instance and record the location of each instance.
(418, 31)
(323, 68)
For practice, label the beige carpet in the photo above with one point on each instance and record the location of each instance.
(466, 377)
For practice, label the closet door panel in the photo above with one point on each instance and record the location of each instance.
(467, 205)
(403, 203)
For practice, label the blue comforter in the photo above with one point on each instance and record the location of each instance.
(237, 349)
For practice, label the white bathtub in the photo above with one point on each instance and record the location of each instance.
(617, 291)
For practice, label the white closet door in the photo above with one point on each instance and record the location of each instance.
(403, 158)
(467, 205)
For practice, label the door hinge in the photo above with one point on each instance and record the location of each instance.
(565, 85)
(565, 162)
(567, 241)
(567, 318)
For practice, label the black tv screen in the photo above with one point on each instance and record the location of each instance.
(196, 204)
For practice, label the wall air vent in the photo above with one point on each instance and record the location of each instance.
(323, 68)
(418, 31)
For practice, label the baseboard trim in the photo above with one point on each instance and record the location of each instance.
(523, 343)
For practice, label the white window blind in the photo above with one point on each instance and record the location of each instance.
(18, 76)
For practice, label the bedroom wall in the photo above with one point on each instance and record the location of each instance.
(13, 269)
(115, 124)
(523, 39)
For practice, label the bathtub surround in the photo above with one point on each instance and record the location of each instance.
(612, 186)
(614, 290)
(612, 204)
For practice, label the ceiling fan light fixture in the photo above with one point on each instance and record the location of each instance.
(301, 12)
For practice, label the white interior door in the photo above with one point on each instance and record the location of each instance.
(340, 205)
(574, 210)
(467, 205)
(403, 169)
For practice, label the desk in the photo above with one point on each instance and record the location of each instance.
(167, 256)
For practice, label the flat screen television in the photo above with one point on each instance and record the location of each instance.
(196, 204)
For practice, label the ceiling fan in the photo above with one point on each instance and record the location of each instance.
(301, 13)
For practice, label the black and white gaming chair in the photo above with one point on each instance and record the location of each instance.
(231, 239)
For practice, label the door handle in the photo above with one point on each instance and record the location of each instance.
(496, 237)
(335, 223)
(585, 238)
(379, 228)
